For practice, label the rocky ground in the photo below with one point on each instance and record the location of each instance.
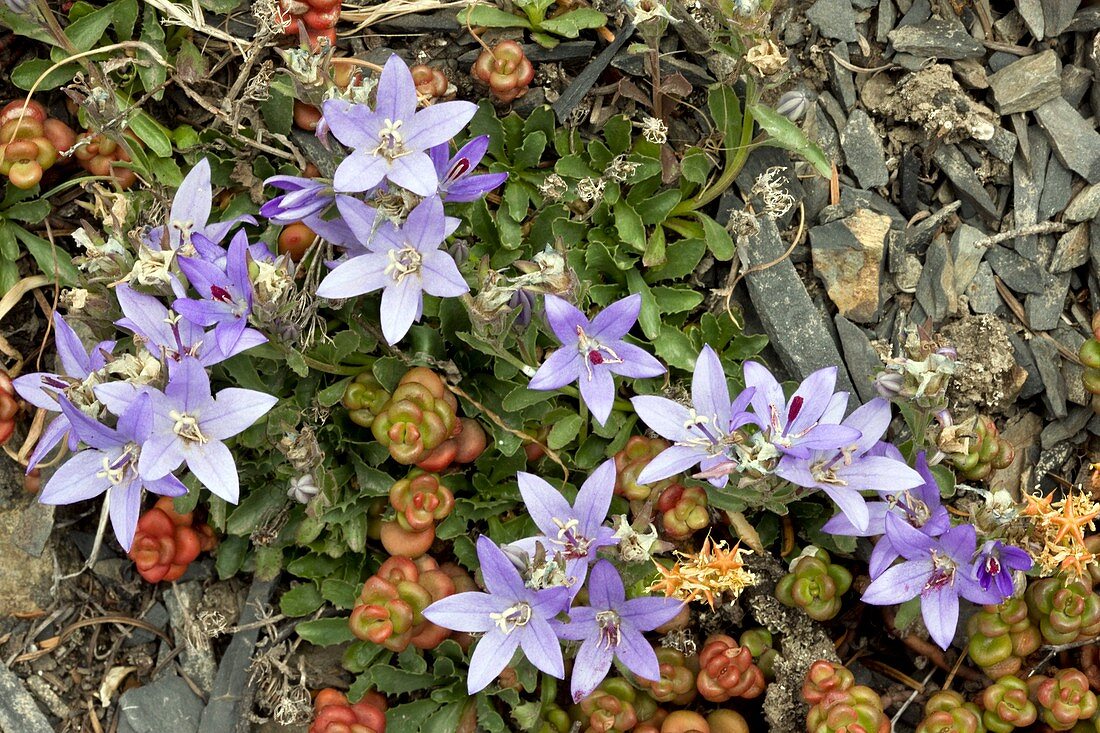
(965, 204)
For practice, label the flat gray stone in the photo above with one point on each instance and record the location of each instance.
(795, 326)
(1085, 205)
(1018, 273)
(1002, 145)
(982, 291)
(965, 181)
(1057, 186)
(1059, 431)
(163, 706)
(1033, 385)
(1032, 13)
(840, 78)
(885, 20)
(863, 150)
(1075, 140)
(1048, 362)
(1072, 249)
(1058, 14)
(966, 256)
(1086, 19)
(860, 357)
(834, 19)
(1072, 340)
(847, 256)
(938, 38)
(1044, 310)
(18, 711)
(919, 236)
(936, 287)
(1076, 82)
(1026, 84)
(182, 602)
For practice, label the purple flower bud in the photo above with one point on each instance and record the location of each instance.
(949, 351)
(793, 104)
(889, 384)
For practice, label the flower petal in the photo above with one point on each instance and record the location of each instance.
(441, 276)
(125, 505)
(898, 583)
(395, 96)
(438, 124)
(236, 410)
(542, 647)
(605, 585)
(590, 668)
(598, 392)
(491, 655)
(871, 420)
(768, 395)
(360, 171)
(192, 201)
(564, 319)
(562, 367)
(710, 392)
(616, 320)
(356, 276)
(637, 654)
(74, 358)
(497, 572)
(76, 479)
(401, 304)
(814, 393)
(669, 462)
(648, 612)
(636, 362)
(414, 172)
(467, 611)
(664, 416)
(545, 504)
(940, 609)
(213, 466)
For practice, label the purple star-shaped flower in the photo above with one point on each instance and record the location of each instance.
(703, 434)
(939, 570)
(611, 627)
(227, 294)
(404, 263)
(799, 425)
(920, 507)
(41, 389)
(304, 197)
(510, 616)
(576, 532)
(593, 350)
(190, 213)
(844, 473)
(457, 182)
(389, 142)
(995, 565)
(110, 465)
(189, 425)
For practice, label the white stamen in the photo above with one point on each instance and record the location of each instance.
(187, 427)
(512, 617)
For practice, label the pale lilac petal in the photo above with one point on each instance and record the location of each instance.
(564, 318)
(169, 485)
(594, 498)
(202, 275)
(192, 201)
(424, 227)
(971, 590)
(824, 437)
(882, 557)
(30, 387)
(51, 436)
(850, 502)
(441, 276)
(878, 474)
(664, 417)
(76, 479)
(590, 668)
(940, 609)
(598, 392)
(88, 430)
(709, 391)
(616, 320)
(544, 503)
(356, 276)
(396, 92)
(437, 124)
(872, 420)
(605, 586)
(228, 333)
(581, 625)
(636, 362)
(473, 151)
(216, 232)
(492, 654)
(359, 217)
(360, 171)
(768, 395)
(797, 471)
(145, 315)
(415, 172)
(840, 524)
(649, 612)
(497, 572)
(235, 410)
(471, 188)
(189, 385)
(203, 312)
(160, 455)
(401, 303)
(74, 358)
(347, 122)
(960, 542)
(213, 466)
(542, 648)
(669, 462)
(125, 505)
(899, 583)
(562, 367)
(815, 392)
(834, 411)
(910, 541)
(637, 654)
(549, 602)
(467, 612)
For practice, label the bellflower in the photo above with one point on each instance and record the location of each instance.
(799, 425)
(404, 263)
(227, 294)
(703, 434)
(844, 473)
(995, 564)
(189, 425)
(611, 627)
(190, 213)
(576, 532)
(304, 197)
(939, 570)
(42, 389)
(389, 142)
(110, 465)
(592, 351)
(920, 507)
(457, 184)
(510, 616)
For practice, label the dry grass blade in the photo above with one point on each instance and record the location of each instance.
(195, 20)
(365, 16)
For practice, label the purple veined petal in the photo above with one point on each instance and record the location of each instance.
(474, 150)
(74, 359)
(491, 655)
(938, 523)
(401, 305)
(598, 392)
(208, 250)
(882, 557)
(332, 230)
(216, 232)
(637, 654)
(581, 624)
(960, 542)
(594, 498)
(424, 227)
(649, 612)
(191, 204)
(549, 602)
(716, 469)
(709, 391)
(1014, 558)
(76, 479)
(203, 312)
(437, 124)
(441, 276)
(810, 400)
(797, 471)
(850, 502)
(929, 490)
(564, 319)
(90, 431)
(834, 411)
(497, 572)
(145, 315)
(33, 389)
(542, 648)
(590, 668)
(616, 320)
(396, 92)
(665, 417)
(228, 333)
(878, 474)
(359, 171)
(415, 172)
(346, 122)
(124, 506)
(940, 609)
(168, 485)
(386, 237)
(359, 275)
(250, 337)
(467, 611)
(359, 217)
(213, 466)
(234, 411)
(768, 395)
(441, 158)
(605, 587)
(471, 188)
(669, 462)
(636, 362)
(544, 503)
(236, 263)
(189, 385)
(51, 436)
(876, 523)
(910, 541)
(825, 437)
(969, 588)
(899, 583)
(160, 455)
(871, 420)
(562, 367)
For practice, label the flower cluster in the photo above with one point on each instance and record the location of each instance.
(531, 586)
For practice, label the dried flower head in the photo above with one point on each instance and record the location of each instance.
(767, 57)
(769, 186)
(654, 130)
(742, 223)
(590, 189)
(705, 575)
(619, 169)
(553, 187)
(1059, 529)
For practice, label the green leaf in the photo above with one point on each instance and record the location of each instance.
(696, 166)
(325, 631)
(725, 109)
(52, 261)
(574, 166)
(85, 32)
(681, 259)
(28, 212)
(339, 593)
(28, 25)
(530, 153)
(331, 394)
(785, 134)
(151, 73)
(677, 300)
(231, 554)
(629, 226)
(656, 209)
(9, 245)
(301, 600)
(492, 17)
(564, 432)
(26, 74)
(391, 680)
(675, 348)
(221, 7)
(125, 16)
(409, 717)
(278, 110)
(572, 23)
(655, 251)
(521, 397)
(618, 133)
(719, 241)
(149, 131)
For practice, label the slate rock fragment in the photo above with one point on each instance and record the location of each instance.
(965, 181)
(1075, 140)
(937, 38)
(166, 704)
(834, 19)
(848, 255)
(1026, 84)
(863, 150)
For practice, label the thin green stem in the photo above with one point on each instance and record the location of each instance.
(729, 175)
(341, 369)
